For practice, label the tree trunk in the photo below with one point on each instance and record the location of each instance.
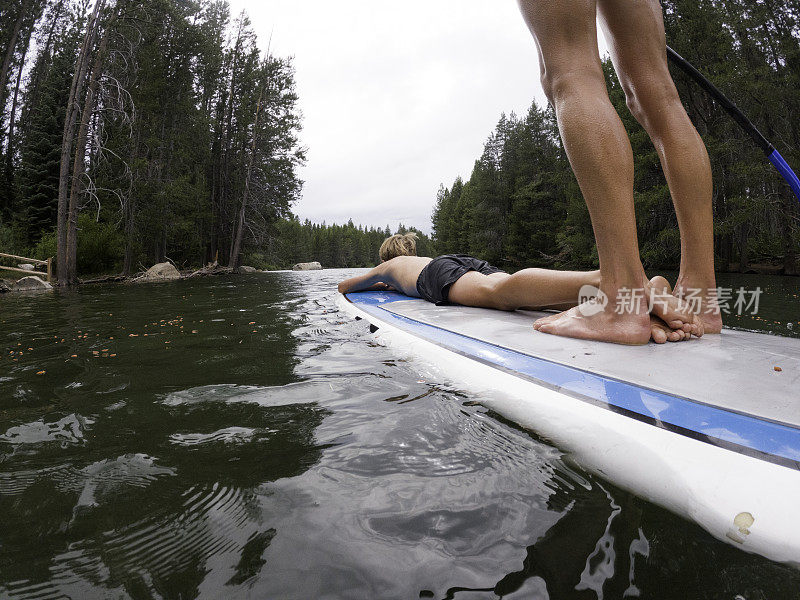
(789, 243)
(12, 119)
(12, 45)
(238, 230)
(79, 165)
(129, 210)
(227, 132)
(70, 122)
(724, 242)
(744, 255)
(165, 180)
(788, 208)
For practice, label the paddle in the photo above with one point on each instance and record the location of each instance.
(774, 156)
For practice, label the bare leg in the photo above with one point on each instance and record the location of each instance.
(529, 288)
(660, 332)
(601, 157)
(542, 288)
(635, 31)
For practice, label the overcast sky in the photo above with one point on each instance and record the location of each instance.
(397, 97)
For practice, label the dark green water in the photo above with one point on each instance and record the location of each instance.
(778, 309)
(239, 438)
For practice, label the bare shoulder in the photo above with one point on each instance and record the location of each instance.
(404, 271)
(405, 262)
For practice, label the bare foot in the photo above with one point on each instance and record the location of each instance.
(660, 284)
(590, 321)
(548, 318)
(703, 301)
(661, 333)
(677, 314)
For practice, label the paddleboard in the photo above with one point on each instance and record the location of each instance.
(708, 429)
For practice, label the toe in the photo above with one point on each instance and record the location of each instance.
(700, 327)
(658, 335)
(678, 324)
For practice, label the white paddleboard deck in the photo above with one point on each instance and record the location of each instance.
(707, 428)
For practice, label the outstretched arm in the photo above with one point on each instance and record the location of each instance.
(368, 281)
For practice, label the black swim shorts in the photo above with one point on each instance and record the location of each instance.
(433, 283)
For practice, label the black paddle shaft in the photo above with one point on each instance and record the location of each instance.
(729, 106)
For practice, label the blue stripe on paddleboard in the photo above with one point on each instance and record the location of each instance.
(775, 442)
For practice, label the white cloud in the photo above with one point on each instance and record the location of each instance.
(397, 97)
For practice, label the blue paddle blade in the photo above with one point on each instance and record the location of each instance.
(786, 171)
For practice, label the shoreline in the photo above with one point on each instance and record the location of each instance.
(141, 277)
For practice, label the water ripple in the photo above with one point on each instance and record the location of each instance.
(66, 431)
(239, 437)
(229, 435)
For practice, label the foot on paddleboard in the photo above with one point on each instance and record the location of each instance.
(590, 321)
(661, 333)
(676, 313)
(703, 301)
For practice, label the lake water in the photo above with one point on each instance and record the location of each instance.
(239, 438)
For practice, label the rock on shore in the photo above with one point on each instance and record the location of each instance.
(30, 284)
(310, 266)
(244, 269)
(162, 272)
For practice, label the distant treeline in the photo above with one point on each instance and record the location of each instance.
(347, 245)
(521, 206)
(133, 132)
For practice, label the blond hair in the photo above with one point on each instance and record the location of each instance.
(398, 245)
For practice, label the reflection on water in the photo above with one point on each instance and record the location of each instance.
(232, 438)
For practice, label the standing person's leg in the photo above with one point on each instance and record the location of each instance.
(635, 31)
(600, 154)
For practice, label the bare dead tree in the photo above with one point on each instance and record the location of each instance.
(79, 165)
(239, 225)
(238, 231)
(68, 140)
